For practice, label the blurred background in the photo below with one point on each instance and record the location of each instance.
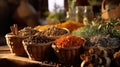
(36, 12)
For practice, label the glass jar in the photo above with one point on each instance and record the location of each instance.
(79, 13)
(70, 15)
(84, 12)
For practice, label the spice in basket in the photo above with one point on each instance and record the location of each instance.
(42, 27)
(107, 41)
(27, 31)
(54, 31)
(15, 38)
(68, 49)
(69, 41)
(38, 47)
(39, 39)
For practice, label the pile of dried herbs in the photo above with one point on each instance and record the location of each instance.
(104, 27)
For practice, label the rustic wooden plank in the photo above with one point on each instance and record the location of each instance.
(7, 58)
(4, 50)
(21, 61)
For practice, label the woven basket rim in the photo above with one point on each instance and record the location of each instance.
(56, 36)
(12, 35)
(36, 44)
(54, 46)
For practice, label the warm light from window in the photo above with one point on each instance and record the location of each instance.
(51, 4)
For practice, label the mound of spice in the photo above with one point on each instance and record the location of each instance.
(103, 40)
(39, 39)
(69, 41)
(95, 56)
(54, 31)
(42, 27)
(27, 31)
(70, 25)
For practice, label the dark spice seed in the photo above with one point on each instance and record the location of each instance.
(40, 39)
(54, 31)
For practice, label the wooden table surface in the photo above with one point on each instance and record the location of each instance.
(7, 59)
(4, 50)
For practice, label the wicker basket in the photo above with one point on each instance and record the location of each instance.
(39, 51)
(67, 55)
(14, 42)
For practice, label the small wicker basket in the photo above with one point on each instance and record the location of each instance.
(39, 51)
(14, 42)
(68, 55)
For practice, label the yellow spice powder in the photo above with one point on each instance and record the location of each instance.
(70, 25)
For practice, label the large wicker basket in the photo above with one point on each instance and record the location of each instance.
(39, 51)
(67, 55)
(14, 42)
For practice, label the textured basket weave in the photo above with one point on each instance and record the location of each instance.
(39, 51)
(14, 42)
(67, 55)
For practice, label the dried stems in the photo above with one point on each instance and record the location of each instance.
(14, 29)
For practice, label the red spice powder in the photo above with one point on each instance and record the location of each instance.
(69, 41)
